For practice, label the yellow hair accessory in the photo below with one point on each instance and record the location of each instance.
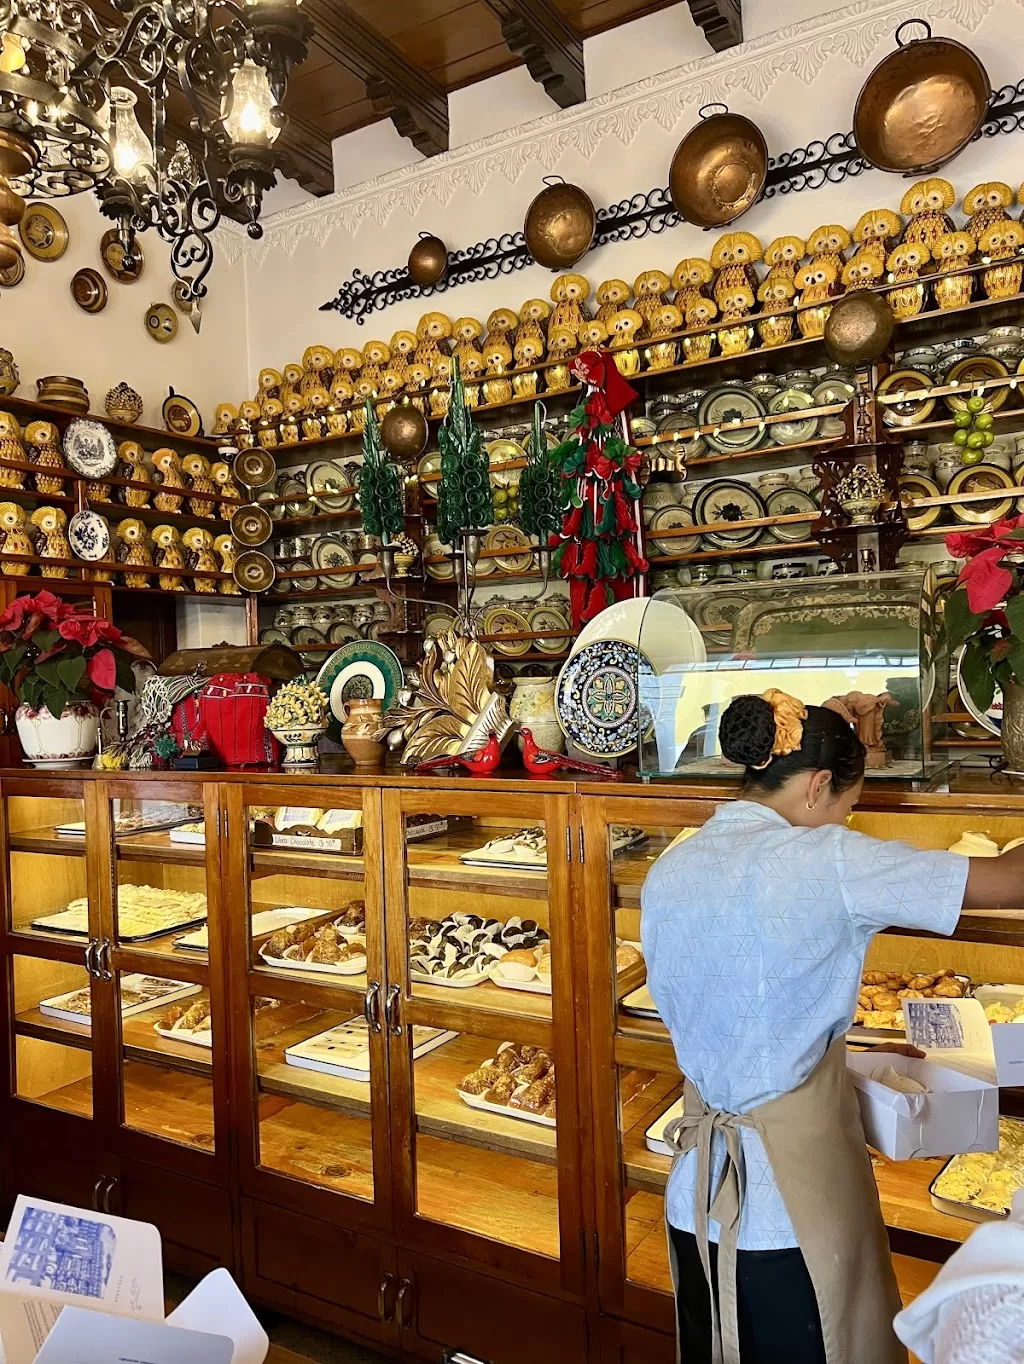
(789, 717)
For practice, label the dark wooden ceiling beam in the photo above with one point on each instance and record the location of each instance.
(416, 103)
(551, 48)
(721, 20)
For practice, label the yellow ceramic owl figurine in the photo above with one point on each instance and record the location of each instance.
(417, 377)
(403, 348)
(51, 523)
(225, 484)
(952, 251)
(134, 551)
(1002, 242)
(592, 335)
(735, 337)
(650, 289)
(197, 469)
(133, 467)
(699, 315)
(622, 331)
(269, 386)
(904, 265)
(817, 281)
(501, 325)
(569, 293)
(533, 317)
(498, 359)
(830, 243)
(690, 279)
(15, 540)
(198, 544)
(11, 448)
(986, 204)
(392, 381)
(440, 386)
(432, 335)
(472, 368)
(776, 296)
(376, 355)
(783, 256)
(291, 381)
(529, 350)
(224, 417)
(44, 442)
(167, 473)
(876, 233)
(735, 256)
(224, 545)
(660, 353)
(862, 271)
(348, 361)
(926, 204)
(466, 332)
(268, 431)
(612, 296)
(561, 345)
(169, 555)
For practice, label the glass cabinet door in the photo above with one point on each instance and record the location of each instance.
(304, 867)
(479, 1017)
(162, 962)
(636, 1081)
(50, 934)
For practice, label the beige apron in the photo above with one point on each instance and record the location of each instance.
(814, 1142)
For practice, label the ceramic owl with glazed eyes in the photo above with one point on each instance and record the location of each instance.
(432, 336)
(926, 205)
(403, 347)
(15, 539)
(986, 204)
(466, 332)
(440, 386)
(317, 370)
(498, 359)
(222, 477)
(291, 381)
(134, 551)
(392, 381)
(736, 305)
(904, 265)
(734, 256)
(11, 448)
(533, 316)
(830, 243)
(51, 522)
(953, 251)
(612, 295)
(167, 468)
(501, 325)
(224, 546)
(622, 333)
(876, 233)
(699, 314)
(133, 467)
(197, 468)
(650, 289)
(528, 351)
(863, 271)
(817, 281)
(376, 355)
(776, 296)
(783, 256)
(43, 439)
(269, 385)
(224, 417)
(167, 541)
(690, 279)
(350, 361)
(569, 293)
(666, 321)
(1002, 242)
(562, 343)
(199, 546)
(417, 377)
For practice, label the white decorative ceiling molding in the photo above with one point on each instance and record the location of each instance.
(857, 34)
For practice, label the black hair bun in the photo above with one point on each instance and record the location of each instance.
(747, 731)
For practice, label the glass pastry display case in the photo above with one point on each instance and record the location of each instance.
(816, 638)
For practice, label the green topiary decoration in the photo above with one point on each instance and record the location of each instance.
(540, 487)
(380, 489)
(464, 497)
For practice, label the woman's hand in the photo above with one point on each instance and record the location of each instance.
(899, 1049)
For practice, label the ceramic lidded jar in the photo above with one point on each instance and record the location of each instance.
(946, 465)
(533, 706)
(1018, 451)
(323, 617)
(772, 482)
(916, 459)
(362, 734)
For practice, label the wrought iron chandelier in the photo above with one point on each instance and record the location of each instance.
(71, 91)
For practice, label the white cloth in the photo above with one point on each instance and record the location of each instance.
(973, 1311)
(754, 933)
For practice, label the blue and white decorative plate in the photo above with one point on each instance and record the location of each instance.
(89, 536)
(90, 449)
(598, 698)
(358, 669)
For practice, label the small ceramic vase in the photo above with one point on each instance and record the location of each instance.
(946, 465)
(300, 743)
(362, 734)
(533, 706)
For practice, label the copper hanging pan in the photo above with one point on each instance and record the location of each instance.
(560, 224)
(921, 105)
(719, 168)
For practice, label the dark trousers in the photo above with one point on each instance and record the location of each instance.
(778, 1313)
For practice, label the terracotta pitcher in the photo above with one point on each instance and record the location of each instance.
(362, 733)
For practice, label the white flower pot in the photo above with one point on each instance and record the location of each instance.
(63, 742)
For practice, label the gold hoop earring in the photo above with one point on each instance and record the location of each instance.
(812, 804)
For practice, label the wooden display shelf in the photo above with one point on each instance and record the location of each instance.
(770, 551)
(63, 416)
(139, 1039)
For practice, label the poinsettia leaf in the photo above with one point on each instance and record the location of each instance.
(49, 671)
(976, 675)
(1015, 615)
(56, 700)
(71, 671)
(45, 639)
(960, 620)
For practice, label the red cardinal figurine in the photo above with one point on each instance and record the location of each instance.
(479, 764)
(541, 762)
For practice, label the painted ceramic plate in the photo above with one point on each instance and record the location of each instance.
(274, 637)
(328, 485)
(832, 391)
(658, 495)
(359, 669)
(510, 537)
(254, 572)
(909, 387)
(113, 258)
(293, 488)
(546, 618)
(912, 487)
(597, 698)
(787, 502)
(715, 616)
(433, 546)
(161, 322)
(792, 432)
(329, 552)
(254, 468)
(430, 464)
(503, 620)
(89, 536)
(673, 518)
(341, 632)
(501, 452)
(90, 449)
(728, 499)
(306, 635)
(972, 370)
(43, 232)
(980, 478)
(724, 405)
(181, 416)
(89, 290)
(251, 526)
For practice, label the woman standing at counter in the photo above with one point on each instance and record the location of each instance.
(754, 931)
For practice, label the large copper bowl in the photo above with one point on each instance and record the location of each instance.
(560, 225)
(719, 168)
(921, 105)
(858, 328)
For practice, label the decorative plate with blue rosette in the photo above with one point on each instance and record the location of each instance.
(603, 696)
(89, 536)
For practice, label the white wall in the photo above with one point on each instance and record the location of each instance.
(799, 84)
(49, 334)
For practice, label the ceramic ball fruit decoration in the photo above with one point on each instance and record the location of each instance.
(973, 434)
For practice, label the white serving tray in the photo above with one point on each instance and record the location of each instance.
(349, 1044)
(264, 921)
(640, 1003)
(653, 1135)
(532, 987)
(185, 836)
(478, 1101)
(202, 1038)
(175, 989)
(355, 967)
(469, 983)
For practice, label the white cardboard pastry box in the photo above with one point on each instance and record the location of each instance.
(955, 1032)
(957, 1112)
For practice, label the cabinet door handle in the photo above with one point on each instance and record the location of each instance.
(404, 1304)
(460, 1357)
(385, 1313)
(103, 958)
(371, 1007)
(108, 1190)
(391, 1015)
(91, 948)
(96, 1191)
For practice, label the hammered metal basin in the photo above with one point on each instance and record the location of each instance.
(858, 328)
(921, 105)
(719, 170)
(560, 226)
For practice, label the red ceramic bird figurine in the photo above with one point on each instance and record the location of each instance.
(541, 762)
(482, 763)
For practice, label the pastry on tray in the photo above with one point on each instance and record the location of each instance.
(467, 946)
(520, 1078)
(880, 1001)
(327, 945)
(987, 1180)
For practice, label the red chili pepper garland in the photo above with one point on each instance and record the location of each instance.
(598, 550)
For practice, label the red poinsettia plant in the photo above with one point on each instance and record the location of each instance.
(55, 656)
(985, 611)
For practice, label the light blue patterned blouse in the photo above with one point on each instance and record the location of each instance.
(754, 933)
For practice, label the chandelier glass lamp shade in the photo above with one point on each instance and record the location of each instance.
(84, 105)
